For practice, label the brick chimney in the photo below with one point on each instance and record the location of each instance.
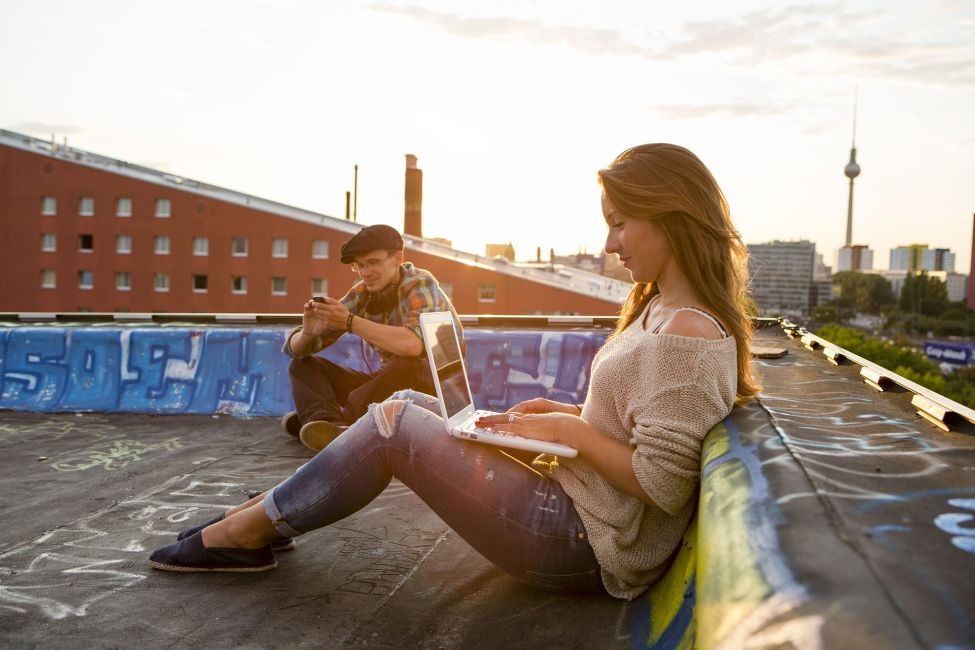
(970, 303)
(412, 220)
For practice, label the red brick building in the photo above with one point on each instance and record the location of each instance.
(83, 232)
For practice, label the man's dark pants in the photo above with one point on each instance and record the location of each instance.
(323, 390)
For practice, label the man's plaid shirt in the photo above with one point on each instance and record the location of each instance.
(418, 292)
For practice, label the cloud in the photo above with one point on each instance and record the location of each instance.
(836, 39)
(586, 39)
(698, 111)
(926, 63)
(252, 40)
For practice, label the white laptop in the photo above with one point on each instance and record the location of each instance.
(453, 390)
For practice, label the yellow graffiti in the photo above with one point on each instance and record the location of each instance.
(730, 583)
(61, 427)
(115, 455)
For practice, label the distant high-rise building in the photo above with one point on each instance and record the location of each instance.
(853, 258)
(821, 272)
(782, 276)
(822, 286)
(906, 258)
(915, 258)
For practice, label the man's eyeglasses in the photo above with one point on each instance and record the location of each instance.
(365, 265)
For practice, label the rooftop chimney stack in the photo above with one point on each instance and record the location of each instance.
(412, 220)
(971, 273)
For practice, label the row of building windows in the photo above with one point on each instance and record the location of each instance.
(123, 207)
(238, 284)
(200, 282)
(201, 245)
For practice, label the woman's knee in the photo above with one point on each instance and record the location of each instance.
(416, 415)
(407, 394)
(412, 396)
(387, 415)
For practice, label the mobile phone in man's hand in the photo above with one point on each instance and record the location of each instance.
(317, 299)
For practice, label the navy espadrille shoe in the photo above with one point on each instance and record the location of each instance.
(189, 555)
(277, 545)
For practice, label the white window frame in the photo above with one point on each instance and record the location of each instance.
(160, 282)
(243, 284)
(164, 208)
(49, 279)
(123, 281)
(321, 289)
(279, 247)
(483, 288)
(123, 206)
(91, 280)
(119, 240)
(274, 290)
(49, 205)
(160, 244)
(86, 206)
(49, 242)
(233, 247)
(319, 249)
(201, 246)
(206, 281)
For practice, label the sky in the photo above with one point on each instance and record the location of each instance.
(512, 106)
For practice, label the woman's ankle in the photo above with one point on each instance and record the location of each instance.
(230, 534)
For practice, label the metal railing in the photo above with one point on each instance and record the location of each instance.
(944, 413)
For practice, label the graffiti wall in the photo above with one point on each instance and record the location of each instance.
(243, 371)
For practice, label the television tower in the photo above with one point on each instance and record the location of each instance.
(852, 170)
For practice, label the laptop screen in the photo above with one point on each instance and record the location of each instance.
(445, 357)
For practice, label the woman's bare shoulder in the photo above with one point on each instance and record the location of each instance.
(692, 324)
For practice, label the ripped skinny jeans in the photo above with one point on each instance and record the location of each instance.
(519, 519)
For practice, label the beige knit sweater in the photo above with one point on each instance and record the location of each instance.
(661, 394)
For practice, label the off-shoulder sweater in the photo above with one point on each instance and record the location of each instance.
(660, 394)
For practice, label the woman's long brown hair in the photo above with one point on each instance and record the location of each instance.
(670, 186)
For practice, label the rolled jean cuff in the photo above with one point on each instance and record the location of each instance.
(277, 519)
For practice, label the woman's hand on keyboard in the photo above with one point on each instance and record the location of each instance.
(551, 427)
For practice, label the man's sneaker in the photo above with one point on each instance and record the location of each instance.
(291, 424)
(317, 434)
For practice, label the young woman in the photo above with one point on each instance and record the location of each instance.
(608, 519)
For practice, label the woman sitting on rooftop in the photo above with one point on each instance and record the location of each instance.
(608, 519)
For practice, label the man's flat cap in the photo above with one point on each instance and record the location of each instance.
(371, 238)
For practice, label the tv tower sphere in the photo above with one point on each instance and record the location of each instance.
(852, 169)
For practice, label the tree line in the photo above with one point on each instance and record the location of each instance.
(922, 307)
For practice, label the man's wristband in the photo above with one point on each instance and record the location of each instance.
(348, 322)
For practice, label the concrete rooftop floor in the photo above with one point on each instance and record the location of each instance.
(86, 498)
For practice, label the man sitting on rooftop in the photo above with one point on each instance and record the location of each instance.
(383, 309)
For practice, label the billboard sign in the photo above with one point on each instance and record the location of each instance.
(955, 353)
